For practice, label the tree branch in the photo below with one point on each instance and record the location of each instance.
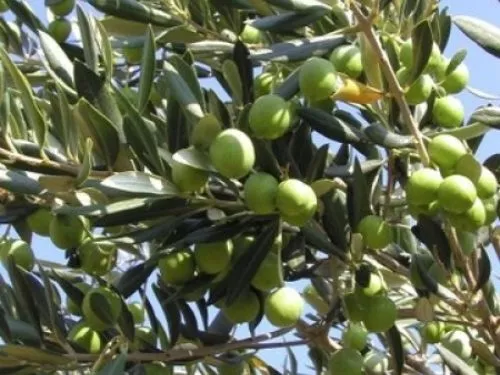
(365, 25)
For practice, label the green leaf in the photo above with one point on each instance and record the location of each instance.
(172, 315)
(299, 5)
(194, 158)
(187, 71)
(298, 50)
(385, 138)
(317, 165)
(396, 347)
(289, 21)
(148, 70)
(59, 66)
(247, 264)
(444, 28)
(471, 131)
(33, 113)
(96, 90)
(125, 321)
(88, 34)
(179, 89)
(74, 293)
(330, 126)
(290, 86)
(101, 130)
(358, 197)
(232, 77)
(484, 34)
(18, 182)
(455, 363)
(135, 11)
(430, 233)
(316, 237)
(140, 183)
(86, 166)
(115, 366)
(26, 15)
(484, 270)
(101, 308)
(133, 278)
(456, 60)
(106, 49)
(422, 48)
(487, 115)
(241, 56)
(335, 220)
(62, 120)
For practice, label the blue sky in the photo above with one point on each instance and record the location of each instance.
(484, 76)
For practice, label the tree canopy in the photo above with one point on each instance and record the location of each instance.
(174, 151)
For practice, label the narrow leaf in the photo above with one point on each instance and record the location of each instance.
(484, 34)
(148, 70)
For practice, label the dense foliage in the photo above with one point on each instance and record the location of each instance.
(171, 150)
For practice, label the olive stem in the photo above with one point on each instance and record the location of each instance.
(365, 25)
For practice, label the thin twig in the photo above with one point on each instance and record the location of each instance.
(365, 25)
(73, 170)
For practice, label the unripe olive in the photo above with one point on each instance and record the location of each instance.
(244, 309)
(376, 233)
(86, 338)
(62, 8)
(458, 342)
(420, 90)
(380, 313)
(3, 6)
(355, 336)
(133, 55)
(457, 80)
(448, 112)
(317, 79)
(97, 258)
(21, 253)
(60, 29)
(456, 194)
(346, 361)
(263, 84)
(269, 117)
(296, 201)
(177, 267)
(376, 363)
(67, 232)
(213, 257)
(445, 150)
(422, 186)
(260, 191)
(490, 206)
(114, 307)
(232, 153)
(39, 221)
(283, 307)
(205, 131)
(251, 35)
(432, 332)
(472, 219)
(347, 59)
(187, 178)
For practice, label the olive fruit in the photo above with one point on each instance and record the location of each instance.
(406, 56)
(422, 186)
(3, 6)
(457, 80)
(380, 313)
(137, 311)
(144, 338)
(60, 29)
(251, 35)
(97, 258)
(283, 307)
(62, 8)
(432, 332)
(376, 363)
(353, 308)
(469, 167)
(458, 342)
(374, 286)
(67, 232)
(109, 305)
(263, 84)
(86, 338)
(347, 59)
(244, 309)
(426, 261)
(445, 150)
(260, 191)
(420, 90)
(472, 219)
(456, 194)
(21, 253)
(317, 79)
(345, 361)
(355, 336)
(187, 178)
(269, 117)
(241, 368)
(448, 112)
(296, 201)
(232, 153)
(39, 221)
(213, 257)
(490, 207)
(178, 267)
(486, 184)
(376, 233)
(205, 131)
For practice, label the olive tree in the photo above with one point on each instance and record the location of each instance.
(174, 151)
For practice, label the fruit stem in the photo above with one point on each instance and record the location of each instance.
(365, 25)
